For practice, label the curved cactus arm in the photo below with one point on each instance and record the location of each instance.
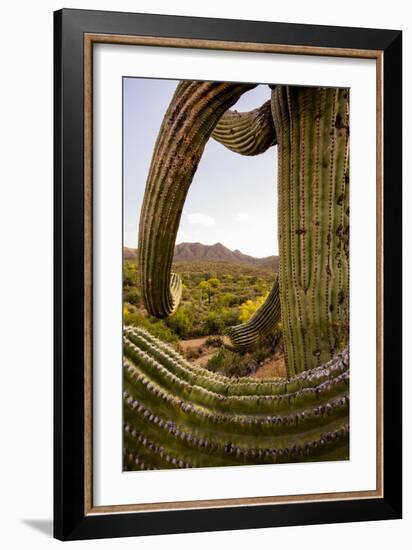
(249, 133)
(175, 419)
(188, 123)
(261, 324)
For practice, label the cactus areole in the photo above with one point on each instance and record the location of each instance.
(310, 127)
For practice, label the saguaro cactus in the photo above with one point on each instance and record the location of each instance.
(311, 127)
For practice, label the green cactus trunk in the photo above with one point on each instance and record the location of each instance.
(312, 127)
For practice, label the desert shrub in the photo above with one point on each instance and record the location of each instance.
(214, 323)
(209, 287)
(248, 308)
(267, 347)
(180, 322)
(129, 273)
(243, 298)
(194, 353)
(227, 299)
(230, 317)
(214, 282)
(232, 363)
(214, 342)
(132, 296)
(212, 295)
(131, 316)
(261, 354)
(224, 361)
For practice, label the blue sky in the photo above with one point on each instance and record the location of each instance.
(232, 198)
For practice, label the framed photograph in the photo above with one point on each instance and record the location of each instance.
(227, 274)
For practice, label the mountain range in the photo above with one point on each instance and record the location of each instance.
(188, 252)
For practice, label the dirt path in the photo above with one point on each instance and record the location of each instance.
(203, 359)
(273, 368)
(190, 348)
(191, 344)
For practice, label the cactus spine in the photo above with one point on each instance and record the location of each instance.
(312, 126)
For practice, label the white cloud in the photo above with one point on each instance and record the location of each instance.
(242, 217)
(198, 218)
(182, 237)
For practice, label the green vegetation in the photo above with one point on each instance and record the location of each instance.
(134, 317)
(215, 296)
(248, 308)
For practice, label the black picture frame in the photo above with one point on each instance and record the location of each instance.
(70, 520)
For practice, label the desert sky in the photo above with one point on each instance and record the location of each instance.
(232, 199)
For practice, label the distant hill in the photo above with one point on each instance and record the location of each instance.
(187, 252)
(129, 253)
